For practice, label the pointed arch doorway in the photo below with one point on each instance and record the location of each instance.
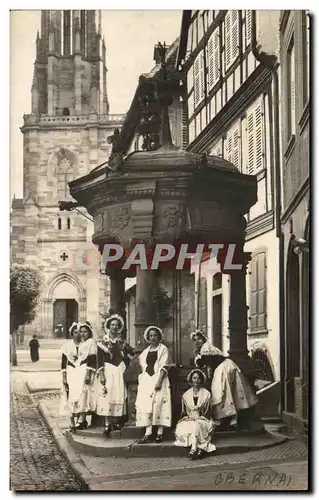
(65, 312)
(65, 302)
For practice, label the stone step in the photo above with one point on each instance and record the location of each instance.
(95, 444)
(134, 433)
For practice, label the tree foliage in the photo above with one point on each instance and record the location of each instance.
(25, 285)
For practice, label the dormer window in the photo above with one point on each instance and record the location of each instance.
(66, 112)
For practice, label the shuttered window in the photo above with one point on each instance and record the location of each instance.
(213, 59)
(233, 146)
(199, 78)
(254, 139)
(291, 87)
(258, 291)
(231, 27)
(248, 20)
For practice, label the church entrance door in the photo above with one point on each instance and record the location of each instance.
(65, 312)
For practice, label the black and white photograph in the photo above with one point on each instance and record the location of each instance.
(159, 250)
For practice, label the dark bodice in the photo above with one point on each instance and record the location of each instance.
(114, 354)
(151, 359)
(195, 400)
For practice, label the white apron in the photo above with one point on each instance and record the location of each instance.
(112, 404)
(231, 391)
(81, 396)
(194, 430)
(153, 407)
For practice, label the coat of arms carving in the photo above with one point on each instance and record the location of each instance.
(120, 218)
(173, 216)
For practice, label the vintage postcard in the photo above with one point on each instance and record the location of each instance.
(160, 238)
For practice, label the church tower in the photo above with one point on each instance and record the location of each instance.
(70, 68)
(64, 137)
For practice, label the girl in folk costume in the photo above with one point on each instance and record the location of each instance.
(77, 363)
(89, 345)
(153, 401)
(231, 391)
(113, 355)
(195, 427)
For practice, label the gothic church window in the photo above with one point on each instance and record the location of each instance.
(64, 176)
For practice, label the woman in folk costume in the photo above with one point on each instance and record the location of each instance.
(195, 427)
(77, 363)
(231, 391)
(153, 401)
(113, 355)
(89, 345)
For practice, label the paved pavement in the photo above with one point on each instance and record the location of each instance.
(37, 464)
(286, 477)
(35, 461)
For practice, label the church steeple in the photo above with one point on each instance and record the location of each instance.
(70, 66)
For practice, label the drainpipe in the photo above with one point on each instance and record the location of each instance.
(271, 62)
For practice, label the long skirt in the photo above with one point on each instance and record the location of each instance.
(231, 391)
(153, 407)
(81, 398)
(113, 403)
(34, 354)
(195, 432)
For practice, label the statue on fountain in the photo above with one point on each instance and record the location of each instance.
(115, 162)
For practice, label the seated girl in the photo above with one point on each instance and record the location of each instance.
(195, 427)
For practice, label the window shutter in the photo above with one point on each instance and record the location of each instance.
(228, 40)
(236, 148)
(258, 293)
(261, 260)
(255, 143)
(184, 124)
(196, 81)
(202, 303)
(199, 78)
(259, 154)
(229, 146)
(293, 93)
(234, 35)
(253, 295)
(248, 28)
(250, 143)
(213, 58)
(231, 37)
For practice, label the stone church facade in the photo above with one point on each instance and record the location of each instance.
(64, 137)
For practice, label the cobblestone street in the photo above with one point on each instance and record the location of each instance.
(35, 462)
